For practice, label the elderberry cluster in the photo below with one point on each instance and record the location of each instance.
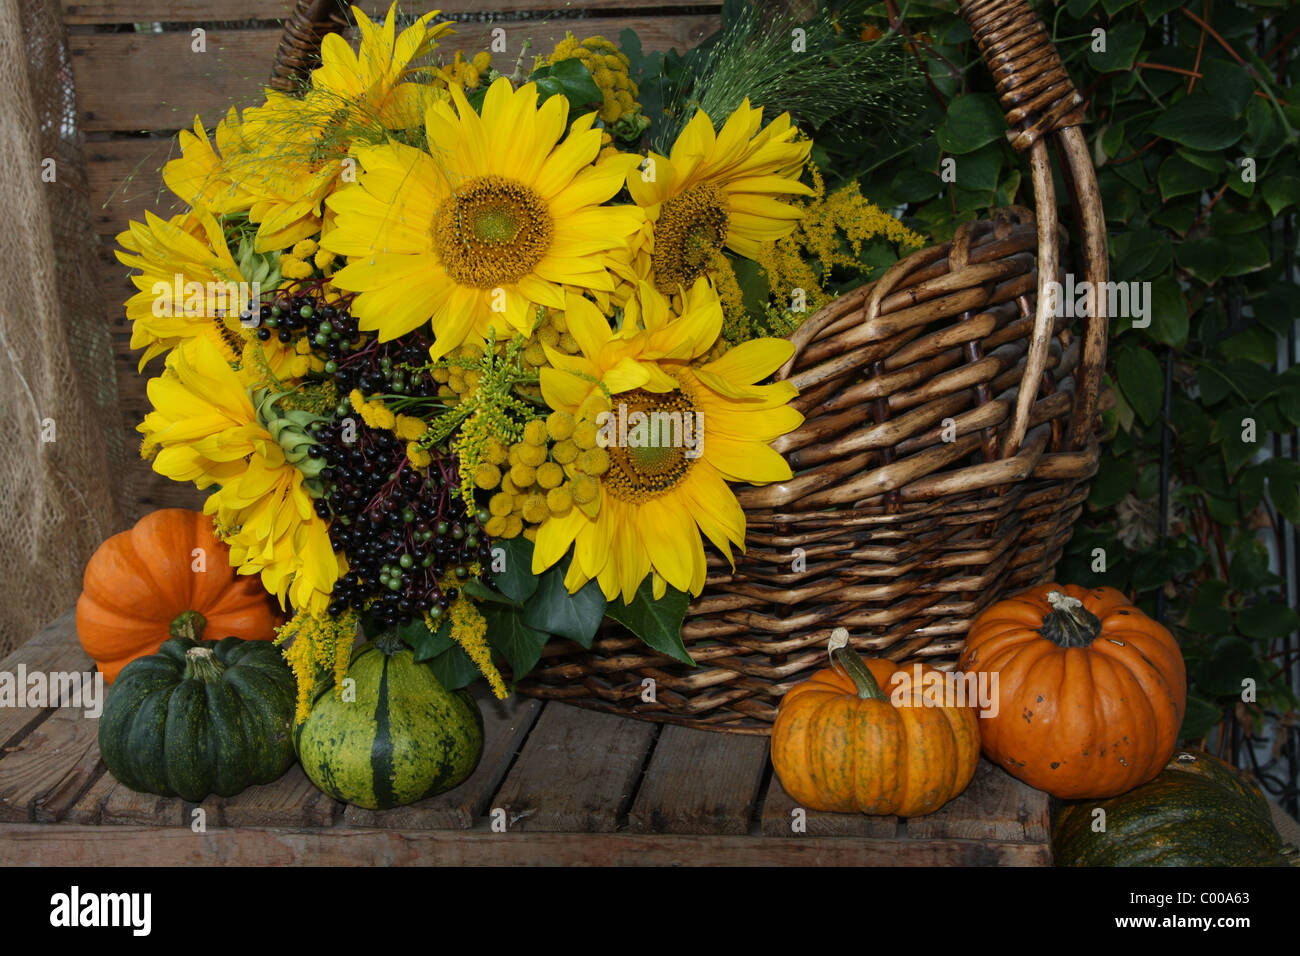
(401, 528)
(331, 331)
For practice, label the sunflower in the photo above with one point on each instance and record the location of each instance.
(190, 287)
(199, 175)
(205, 428)
(715, 191)
(494, 226)
(374, 77)
(658, 495)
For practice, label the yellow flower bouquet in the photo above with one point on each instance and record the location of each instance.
(477, 359)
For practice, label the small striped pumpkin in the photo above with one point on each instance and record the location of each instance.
(396, 737)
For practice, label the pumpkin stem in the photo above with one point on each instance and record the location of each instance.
(1069, 623)
(844, 656)
(202, 664)
(189, 625)
(389, 642)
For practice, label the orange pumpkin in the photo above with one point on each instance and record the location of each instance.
(140, 588)
(856, 737)
(1090, 691)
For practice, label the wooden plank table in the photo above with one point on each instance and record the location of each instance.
(556, 786)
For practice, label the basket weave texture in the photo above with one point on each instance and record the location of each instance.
(948, 441)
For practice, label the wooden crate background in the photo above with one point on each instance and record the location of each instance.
(135, 90)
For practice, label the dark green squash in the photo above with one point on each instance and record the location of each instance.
(396, 736)
(1198, 812)
(200, 717)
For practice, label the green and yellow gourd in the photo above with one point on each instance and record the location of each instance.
(395, 735)
(1197, 812)
(200, 717)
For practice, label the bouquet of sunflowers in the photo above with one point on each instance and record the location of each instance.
(475, 359)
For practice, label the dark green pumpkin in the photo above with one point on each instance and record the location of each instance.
(1198, 812)
(398, 735)
(200, 717)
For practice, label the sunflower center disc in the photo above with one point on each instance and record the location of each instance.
(691, 228)
(651, 458)
(491, 232)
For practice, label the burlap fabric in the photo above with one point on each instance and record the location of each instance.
(61, 454)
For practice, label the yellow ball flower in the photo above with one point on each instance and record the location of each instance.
(533, 454)
(534, 509)
(501, 505)
(559, 425)
(549, 474)
(559, 501)
(585, 489)
(304, 248)
(496, 526)
(494, 451)
(535, 432)
(594, 461)
(487, 476)
(565, 452)
(514, 524)
(584, 436)
(523, 475)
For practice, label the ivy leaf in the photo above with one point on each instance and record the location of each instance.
(568, 78)
(973, 120)
(1206, 259)
(1212, 621)
(426, 644)
(1178, 177)
(1143, 381)
(514, 640)
(1199, 718)
(1200, 121)
(1281, 191)
(1284, 487)
(1112, 482)
(1168, 312)
(1267, 620)
(516, 579)
(1122, 43)
(554, 610)
(454, 669)
(658, 623)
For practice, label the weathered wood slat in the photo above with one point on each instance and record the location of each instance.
(67, 845)
(55, 647)
(778, 819)
(124, 177)
(42, 760)
(505, 725)
(700, 782)
(184, 11)
(291, 801)
(124, 807)
(996, 806)
(153, 81)
(90, 805)
(577, 773)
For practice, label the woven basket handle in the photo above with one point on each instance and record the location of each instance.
(299, 49)
(1041, 103)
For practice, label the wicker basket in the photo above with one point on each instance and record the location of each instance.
(946, 452)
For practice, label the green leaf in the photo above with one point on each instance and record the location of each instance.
(1256, 344)
(1168, 312)
(1229, 428)
(481, 592)
(424, 642)
(1200, 121)
(915, 185)
(568, 78)
(554, 610)
(515, 580)
(973, 120)
(1178, 177)
(1247, 254)
(658, 623)
(1155, 9)
(1210, 621)
(1206, 258)
(1267, 620)
(1122, 43)
(454, 669)
(1284, 487)
(1114, 479)
(1248, 568)
(1199, 718)
(1229, 82)
(1143, 381)
(1140, 254)
(1280, 192)
(514, 640)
